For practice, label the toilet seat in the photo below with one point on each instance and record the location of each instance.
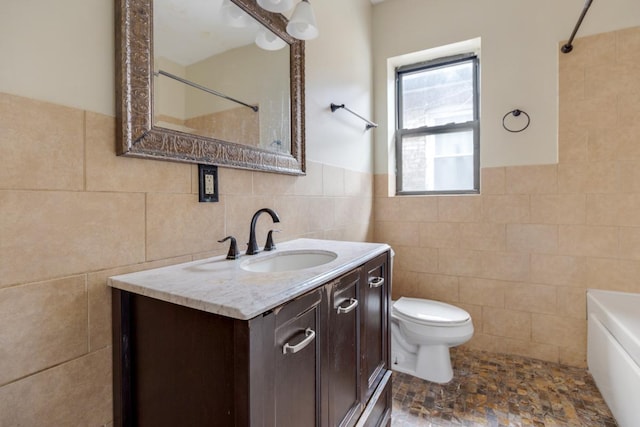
(430, 313)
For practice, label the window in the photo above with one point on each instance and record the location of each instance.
(437, 136)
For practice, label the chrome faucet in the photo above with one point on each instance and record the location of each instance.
(252, 246)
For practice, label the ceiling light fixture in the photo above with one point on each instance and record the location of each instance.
(234, 16)
(277, 6)
(266, 40)
(302, 24)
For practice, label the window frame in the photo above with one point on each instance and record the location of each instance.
(473, 125)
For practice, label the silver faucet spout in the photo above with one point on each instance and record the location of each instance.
(252, 246)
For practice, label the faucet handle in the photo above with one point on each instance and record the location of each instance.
(270, 245)
(233, 248)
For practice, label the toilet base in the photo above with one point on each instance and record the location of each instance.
(434, 363)
(429, 362)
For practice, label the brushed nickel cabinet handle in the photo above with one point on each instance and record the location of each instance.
(353, 303)
(376, 282)
(309, 336)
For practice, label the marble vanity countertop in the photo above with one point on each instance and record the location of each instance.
(221, 286)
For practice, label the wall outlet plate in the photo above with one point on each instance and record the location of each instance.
(208, 183)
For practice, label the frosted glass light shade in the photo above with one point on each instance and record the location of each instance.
(277, 6)
(302, 24)
(266, 40)
(234, 16)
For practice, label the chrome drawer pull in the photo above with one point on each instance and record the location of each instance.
(353, 304)
(376, 282)
(310, 335)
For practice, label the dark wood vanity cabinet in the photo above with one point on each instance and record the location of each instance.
(342, 352)
(296, 371)
(319, 360)
(375, 294)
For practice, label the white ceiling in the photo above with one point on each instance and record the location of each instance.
(188, 31)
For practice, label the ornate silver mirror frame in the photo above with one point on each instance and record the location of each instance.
(137, 137)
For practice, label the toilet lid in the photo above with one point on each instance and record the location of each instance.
(429, 312)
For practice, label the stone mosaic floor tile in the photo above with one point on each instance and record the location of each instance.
(499, 390)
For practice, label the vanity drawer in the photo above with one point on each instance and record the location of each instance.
(375, 290)
(342, 360)
(297, 363)
(378, 410)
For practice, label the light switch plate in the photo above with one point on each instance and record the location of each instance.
(208, 183)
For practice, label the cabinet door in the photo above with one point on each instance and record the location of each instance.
(374, 340)
(297, 362)
(343, 341)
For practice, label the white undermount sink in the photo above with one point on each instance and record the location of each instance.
(288, 261)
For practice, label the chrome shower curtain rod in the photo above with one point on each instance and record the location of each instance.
(568, 47)
(206, 89)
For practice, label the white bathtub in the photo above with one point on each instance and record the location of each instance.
(613, 351)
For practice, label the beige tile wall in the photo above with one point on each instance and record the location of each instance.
(72, 214)
(520, 256)
(239, 124)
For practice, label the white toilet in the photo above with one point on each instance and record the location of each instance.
(422, 332)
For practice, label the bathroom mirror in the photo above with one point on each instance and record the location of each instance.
(151, 121)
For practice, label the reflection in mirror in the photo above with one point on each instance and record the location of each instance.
(280, 123)
(219, 73)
